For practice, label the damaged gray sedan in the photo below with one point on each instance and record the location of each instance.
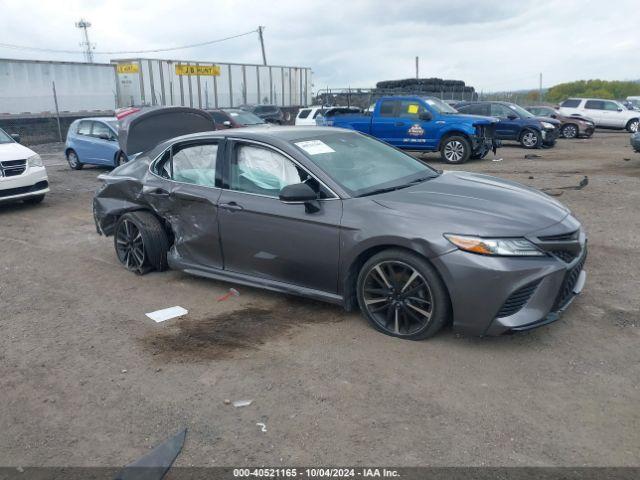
(338, 216)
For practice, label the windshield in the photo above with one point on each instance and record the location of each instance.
(4, 137)
(439, 105)
(362, 165)
(520, 111)
(246, 118)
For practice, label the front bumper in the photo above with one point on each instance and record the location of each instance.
(31, 183)
(496, 295)
(549, 136)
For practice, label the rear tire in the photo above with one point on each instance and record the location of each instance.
(407, 300)
(141, 242)
(73, 160)
(34, 200)
(455, 150)
(530, 138)
(569, 130)
(633, 125)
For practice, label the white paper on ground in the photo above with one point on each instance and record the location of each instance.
(167, 314)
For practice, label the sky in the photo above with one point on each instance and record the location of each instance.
(491, 45)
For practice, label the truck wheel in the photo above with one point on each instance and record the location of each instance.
(530, 138)
(455, 149)
(633, 125)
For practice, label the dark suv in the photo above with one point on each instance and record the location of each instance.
(269, 113)
(516, 123)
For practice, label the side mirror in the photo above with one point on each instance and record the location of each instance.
(227, 123)
(104, 136)
(426, 116)
(512, 117)
(16, 137)
(553, 115)
(301, 192)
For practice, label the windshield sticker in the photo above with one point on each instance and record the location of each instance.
(412, 108)
(315, 147)
(416, 130)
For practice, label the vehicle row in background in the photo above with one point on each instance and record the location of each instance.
(235, 118)
(516, 123)
(23, 177)
(319, 114)
(268, 113)
(605, 113)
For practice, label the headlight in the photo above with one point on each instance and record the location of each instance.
(34, 161)
(547, 125)
(511, 247)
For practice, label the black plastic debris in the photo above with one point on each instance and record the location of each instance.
(557, 191)
(155, 464)
(532, 155)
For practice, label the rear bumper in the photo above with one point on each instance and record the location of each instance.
(31, 183)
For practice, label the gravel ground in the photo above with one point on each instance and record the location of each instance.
(87, 380)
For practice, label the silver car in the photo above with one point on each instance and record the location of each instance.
(338, 216)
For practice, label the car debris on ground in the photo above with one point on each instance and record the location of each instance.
(242, 403)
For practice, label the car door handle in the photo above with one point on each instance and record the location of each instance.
(399, 124)
(156, 192)
(189, 197)
(232, 206)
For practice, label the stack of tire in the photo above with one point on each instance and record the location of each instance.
(425, 86)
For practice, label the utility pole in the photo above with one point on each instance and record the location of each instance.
(417, 67)
(84, 25)
(540, 89)
(264, 55)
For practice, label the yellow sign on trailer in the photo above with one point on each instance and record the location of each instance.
(212, 70)
(128, 68)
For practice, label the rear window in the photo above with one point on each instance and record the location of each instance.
(570, 103)
(594, 105)
(84, 128)
(304, 113)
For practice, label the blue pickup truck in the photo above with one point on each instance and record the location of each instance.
(426, 124)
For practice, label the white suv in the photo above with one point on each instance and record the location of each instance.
(605, 113)
(22, 175)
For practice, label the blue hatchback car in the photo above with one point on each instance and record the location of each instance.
(94, 141)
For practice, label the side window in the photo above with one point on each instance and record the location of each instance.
(594, 105)
(195, 164)
(304, 113)
(100, 129)
(409, 109)
(84, 128)
(500, 111)
(388, 108)
(612, 106)
(262, 171)
(570, 103)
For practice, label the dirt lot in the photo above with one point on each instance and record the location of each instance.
(86, 379)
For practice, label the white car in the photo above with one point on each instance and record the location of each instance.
(605, 113)
(309, 115)
(22, 174)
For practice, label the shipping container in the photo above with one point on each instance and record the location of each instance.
(154, 82)
(26, 87)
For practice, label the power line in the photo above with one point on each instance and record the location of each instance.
(122, 52)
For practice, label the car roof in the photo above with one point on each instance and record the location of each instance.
(101, 119)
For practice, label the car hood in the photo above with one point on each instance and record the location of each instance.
(475, 204)
(476, 119)
(14, 151)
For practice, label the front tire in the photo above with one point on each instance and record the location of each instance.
(633, 125)
(402, 295)
(73, 160)
(569, 130)
(141, 242)
(455, 150)
(530, 139)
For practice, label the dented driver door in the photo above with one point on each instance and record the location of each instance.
(187, 195)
